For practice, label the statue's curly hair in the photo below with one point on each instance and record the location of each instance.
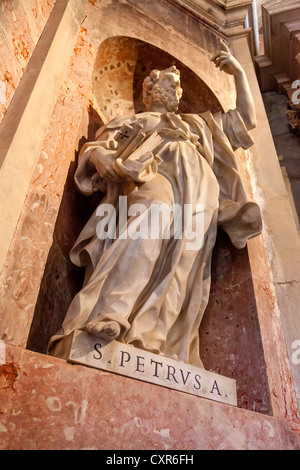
(150, 87)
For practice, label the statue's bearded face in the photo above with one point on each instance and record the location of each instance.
(162, 89)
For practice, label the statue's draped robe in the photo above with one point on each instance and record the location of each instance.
(157, 289)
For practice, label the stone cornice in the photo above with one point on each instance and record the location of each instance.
(228, 4)
(225, 16)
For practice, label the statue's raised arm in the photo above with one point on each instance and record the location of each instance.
(244, 102)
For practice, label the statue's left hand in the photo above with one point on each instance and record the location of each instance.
(225, 60)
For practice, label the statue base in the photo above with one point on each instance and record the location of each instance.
(127, 360)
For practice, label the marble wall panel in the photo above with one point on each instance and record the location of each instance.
(37, 226)
(21, 24)
(48, 404)
(230, 339)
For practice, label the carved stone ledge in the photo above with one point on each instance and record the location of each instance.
(278, 68)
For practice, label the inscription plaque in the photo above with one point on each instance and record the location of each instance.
(142, 365)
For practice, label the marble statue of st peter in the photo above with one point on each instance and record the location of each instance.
(152, 292)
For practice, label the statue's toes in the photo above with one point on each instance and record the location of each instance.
(105, 330)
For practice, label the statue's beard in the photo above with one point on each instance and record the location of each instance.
(165, 97)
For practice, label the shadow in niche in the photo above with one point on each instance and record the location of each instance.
(230, 340)
(197, 96)
(62, 280)
(229, 335)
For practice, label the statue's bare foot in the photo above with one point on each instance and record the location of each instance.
(107, 330)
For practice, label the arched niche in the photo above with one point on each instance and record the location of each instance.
(121, 65)
(230, 338)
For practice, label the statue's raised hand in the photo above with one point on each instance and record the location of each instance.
(225, 60)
